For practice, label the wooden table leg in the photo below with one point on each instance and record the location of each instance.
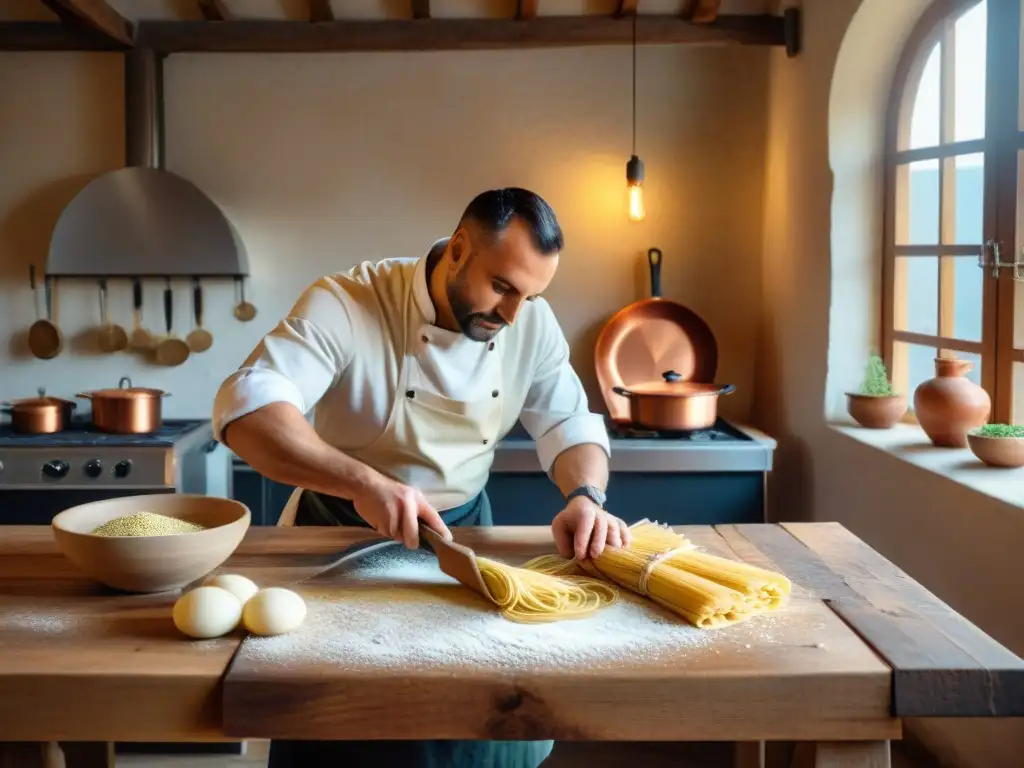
(30, 754)
(842, 754)
(88, 754)
(749, 754)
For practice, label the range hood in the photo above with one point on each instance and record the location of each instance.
(142, 220)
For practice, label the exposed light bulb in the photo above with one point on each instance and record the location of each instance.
(634, 181)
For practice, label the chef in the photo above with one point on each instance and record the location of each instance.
(414, 369)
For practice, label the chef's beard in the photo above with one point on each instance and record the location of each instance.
(468, 320)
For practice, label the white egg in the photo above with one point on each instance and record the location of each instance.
(274, 611)
(239, 586)
(207, 612)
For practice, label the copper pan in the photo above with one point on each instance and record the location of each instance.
(648, 337)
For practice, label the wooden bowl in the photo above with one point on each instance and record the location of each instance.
(152, 563)
(997, 451)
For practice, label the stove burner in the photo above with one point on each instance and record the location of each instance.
(81, 434)
(720, 432)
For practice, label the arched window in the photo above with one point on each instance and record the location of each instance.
(955, 201)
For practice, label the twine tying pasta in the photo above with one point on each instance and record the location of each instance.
(652, 563)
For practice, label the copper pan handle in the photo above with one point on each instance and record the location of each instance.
(622, 391)
(654, 259)
(85, 395)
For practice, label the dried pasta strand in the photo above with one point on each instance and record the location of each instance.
(532, 597)
(707, 590)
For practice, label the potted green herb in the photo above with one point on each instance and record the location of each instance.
(998, 445)
(876, 405)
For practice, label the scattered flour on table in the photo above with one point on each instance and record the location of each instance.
(430, 630)
(38, 622)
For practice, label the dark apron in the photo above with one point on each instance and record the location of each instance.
(318, 509)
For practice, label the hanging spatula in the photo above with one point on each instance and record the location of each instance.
(457, 560)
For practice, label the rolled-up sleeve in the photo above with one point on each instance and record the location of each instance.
(556, 412)
(297, 362)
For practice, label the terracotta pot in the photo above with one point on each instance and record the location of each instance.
(876, 411)
(672, 404)
(997, 451)
(950, 405)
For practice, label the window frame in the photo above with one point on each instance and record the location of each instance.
(999, 147)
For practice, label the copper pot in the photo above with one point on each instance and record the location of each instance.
(40, 415)
(672, 404)
(127, 410)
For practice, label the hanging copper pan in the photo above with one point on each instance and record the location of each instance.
(647, 338)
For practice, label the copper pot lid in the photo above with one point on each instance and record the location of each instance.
(125, 391)
(44, 401)
(673, 385)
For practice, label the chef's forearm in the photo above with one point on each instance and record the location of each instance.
(281, 445)
(584, 464)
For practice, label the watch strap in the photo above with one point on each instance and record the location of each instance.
(592, 493)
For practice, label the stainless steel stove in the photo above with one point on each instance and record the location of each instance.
(41, 475)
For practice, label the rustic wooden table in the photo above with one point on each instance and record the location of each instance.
(859, 647)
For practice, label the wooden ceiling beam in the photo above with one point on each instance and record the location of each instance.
(452, 34)
(320, 11)
(706, 11)
(214, 10)
(527, 9)
(421, 9)
(48, 36)
(97, 15)
(626, 8)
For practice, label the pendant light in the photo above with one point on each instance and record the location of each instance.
(635, 166)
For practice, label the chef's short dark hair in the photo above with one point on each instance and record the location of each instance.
(494, 209)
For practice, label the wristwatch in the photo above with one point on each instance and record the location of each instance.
(593, 493)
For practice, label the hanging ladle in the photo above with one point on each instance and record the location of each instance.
(244, 311)
(112, 336)
(172, 350)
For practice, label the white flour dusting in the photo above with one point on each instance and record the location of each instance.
(433, 622)
(38, 622)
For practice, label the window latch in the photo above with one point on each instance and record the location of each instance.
(997, 263)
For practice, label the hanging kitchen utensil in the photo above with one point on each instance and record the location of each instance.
(39, 415)
(172, 350)
(199, 339)
(44, 337)
(112, 337)
(126, 410)
(648, 337)
(244, 311)
(673, 405)
(141, 339)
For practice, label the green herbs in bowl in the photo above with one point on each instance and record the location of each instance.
(998, 445)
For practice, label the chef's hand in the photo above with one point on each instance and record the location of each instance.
(583, 530)
(395, 510)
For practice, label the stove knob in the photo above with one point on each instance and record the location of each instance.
(56, 468)
(93, 468)
(122, 468)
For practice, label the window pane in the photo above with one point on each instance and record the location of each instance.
(969, 68)
(924, 120)
(916, 300)
(965, 296)
(917, 203)
(1018, 304)
(912, 365)
(1018, 393)
(967, 190)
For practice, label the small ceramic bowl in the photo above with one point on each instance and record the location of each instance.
(997, 451)
(876, 411)
(152, 563)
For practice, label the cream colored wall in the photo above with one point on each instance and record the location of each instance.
(325, 160)
(822, 233)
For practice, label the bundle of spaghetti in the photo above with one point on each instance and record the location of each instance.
(706, 590)
(531, 597)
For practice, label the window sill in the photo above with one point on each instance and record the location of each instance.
(909, 443)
